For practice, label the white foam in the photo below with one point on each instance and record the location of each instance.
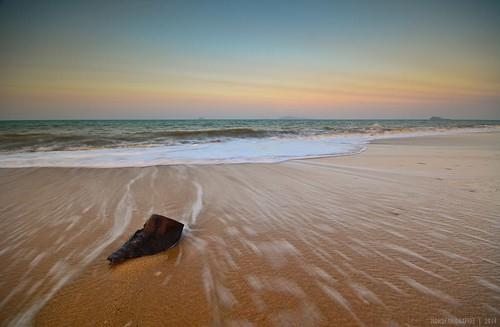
(233, 151)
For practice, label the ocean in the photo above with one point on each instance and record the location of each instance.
(135, 143)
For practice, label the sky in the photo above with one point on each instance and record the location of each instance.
(249, 59)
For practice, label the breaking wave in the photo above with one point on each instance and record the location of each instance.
(146, 143)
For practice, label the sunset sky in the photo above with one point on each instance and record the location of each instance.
(249, 59)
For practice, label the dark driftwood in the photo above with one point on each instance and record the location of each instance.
(158, 234)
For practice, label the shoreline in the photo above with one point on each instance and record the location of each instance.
(362, 144)
(350, 240)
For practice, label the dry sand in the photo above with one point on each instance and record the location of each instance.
(405, 234)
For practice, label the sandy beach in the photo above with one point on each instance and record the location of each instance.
(406, 233)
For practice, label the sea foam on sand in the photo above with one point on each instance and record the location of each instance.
(232, 151)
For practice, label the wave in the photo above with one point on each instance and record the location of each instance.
(34, 142)
(228, 132)
(20, 137)
(233, 150)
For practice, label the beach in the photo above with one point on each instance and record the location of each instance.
(405, 233)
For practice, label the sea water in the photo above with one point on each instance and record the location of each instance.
(135, 143)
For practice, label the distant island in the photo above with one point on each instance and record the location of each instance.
(438, 118)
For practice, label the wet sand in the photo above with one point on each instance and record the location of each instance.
(406, 233)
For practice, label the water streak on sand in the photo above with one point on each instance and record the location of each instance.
(429, 291)
(197, 205)
(123, 216)
(65, 273)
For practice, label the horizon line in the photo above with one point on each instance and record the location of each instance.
(206, 118)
